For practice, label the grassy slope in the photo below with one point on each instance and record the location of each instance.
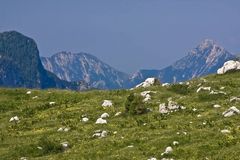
(38, 119)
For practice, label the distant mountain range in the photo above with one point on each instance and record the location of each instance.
(20, 66)
(82, 66)
(205, 59)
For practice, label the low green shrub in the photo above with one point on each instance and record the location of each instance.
(135, 104)
(179, 89)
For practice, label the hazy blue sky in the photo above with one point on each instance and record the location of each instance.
(127, 34)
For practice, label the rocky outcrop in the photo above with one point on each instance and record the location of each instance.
(229, 66)
(20, 65)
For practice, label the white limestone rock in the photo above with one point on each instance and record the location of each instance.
(100, 134)
(218, 92)
(163, 108)
(234, 99)
(85, 119)
(228, 66)
(225, 131)
(147, 98)
(152, 158)
(168, 150)
(29, 92)
(118, 114)
(107, 103)
(63, 129)
(231, 111)
(14, 119)
(144, 93)
(216, 106)
(101, 121)
(203, 89)
(65, 145)
(35, 97)
(105, 115)
(175, 143)
(165, 84)
(148, 82)
(52, 103)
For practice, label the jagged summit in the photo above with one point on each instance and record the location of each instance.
(204, 59)
(207, 43)
(207, 46)
(83, 66)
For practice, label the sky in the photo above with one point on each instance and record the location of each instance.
(127, 34)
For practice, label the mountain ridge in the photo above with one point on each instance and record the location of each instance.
(204, 59)
(75, 66)
(20, 64)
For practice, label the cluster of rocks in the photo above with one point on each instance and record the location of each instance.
(102, 119)
(63, 129)
(146, 95)
(100, 134)
(85, 118)
(170, 107)
(14, 119)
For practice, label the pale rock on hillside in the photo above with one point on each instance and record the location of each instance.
(228, 66)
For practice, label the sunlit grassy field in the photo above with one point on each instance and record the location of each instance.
(197, 128)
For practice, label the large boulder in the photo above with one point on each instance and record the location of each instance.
(148, 82)
(228, 66)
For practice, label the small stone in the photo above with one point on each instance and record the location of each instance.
(216, 106)
(104, 134)
(107, 103)
(40, 148)
(101, 121)
(60, 129)
(104, 115)
(66, 129)
(175, 143)
(14, 119)
(152, 158)
(118, 114)
(194, 109)
(35, 97)
(225, 131)
(65, 145)
(28, 92)
(52, 103)
(85, 119)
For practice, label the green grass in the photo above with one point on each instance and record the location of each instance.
(149, 133)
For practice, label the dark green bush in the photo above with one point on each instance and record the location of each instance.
(205, 96)
(49, 146)
(135, 104)
(179, 89)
